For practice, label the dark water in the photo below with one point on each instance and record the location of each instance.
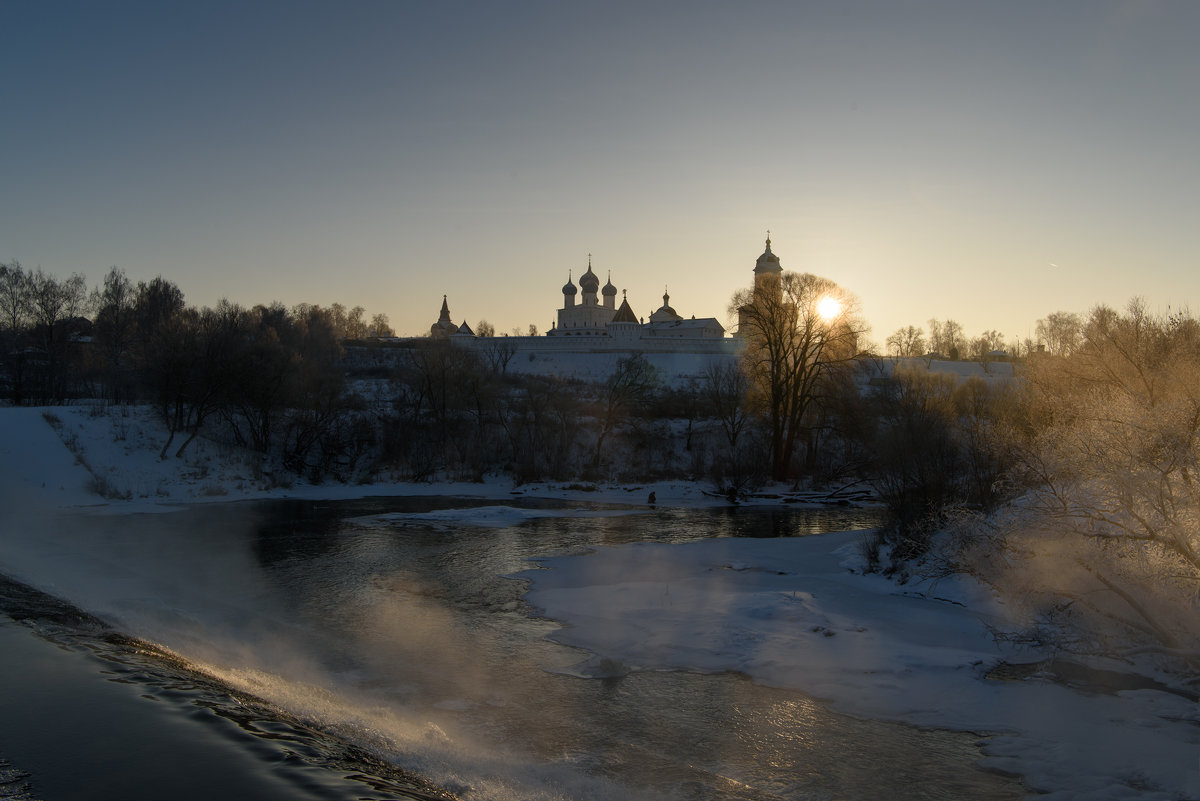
(90, 714)
(359, 658)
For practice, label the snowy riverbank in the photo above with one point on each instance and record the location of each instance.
(789, 612)
(109, 458)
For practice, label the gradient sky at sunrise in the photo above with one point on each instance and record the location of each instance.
(989, 162)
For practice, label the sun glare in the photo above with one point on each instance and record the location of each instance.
(829, 307)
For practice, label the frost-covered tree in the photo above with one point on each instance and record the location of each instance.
(1060, 333)
(947, 338)
(985, 344)
(1112, 462)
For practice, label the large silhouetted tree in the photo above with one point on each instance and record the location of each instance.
(798, 329)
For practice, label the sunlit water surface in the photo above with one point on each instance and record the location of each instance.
(408, 639)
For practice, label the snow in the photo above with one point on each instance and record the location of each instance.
(35, 464)
(117, 450)
(786, 612)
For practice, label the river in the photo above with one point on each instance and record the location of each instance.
(370, 649)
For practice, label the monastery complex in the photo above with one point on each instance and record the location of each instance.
(591, 321)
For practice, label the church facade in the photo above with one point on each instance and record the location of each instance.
(589, 311)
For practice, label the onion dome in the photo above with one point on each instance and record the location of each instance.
(666, 313)
(609, 290)
(589, 281)
(569, 287)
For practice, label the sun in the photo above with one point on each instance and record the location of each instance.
(829, 307)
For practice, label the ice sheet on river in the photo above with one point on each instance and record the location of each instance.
(788, 613)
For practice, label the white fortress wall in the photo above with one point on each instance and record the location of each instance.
(595, 358)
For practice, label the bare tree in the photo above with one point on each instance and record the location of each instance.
(485, 329)
(798, 331)
(157, 303)
(1061, 332)
(381, 326)
(631, 383)
(727, 390)
(356, 325)
(498, 352)
(53, 303)
(187, 360)
(984, 345)
(15, 287)
(115, 326)
(56, 308)
(908, 341)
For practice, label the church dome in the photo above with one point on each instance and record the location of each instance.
(609, 290)
(666, 313)
(569, 287)
(768, 262)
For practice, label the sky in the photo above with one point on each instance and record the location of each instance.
(985, 162)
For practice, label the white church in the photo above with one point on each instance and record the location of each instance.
(597, 315)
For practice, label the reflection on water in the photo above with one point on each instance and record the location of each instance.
(409, 638)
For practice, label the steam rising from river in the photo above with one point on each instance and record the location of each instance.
(395, 632)
(387, 665)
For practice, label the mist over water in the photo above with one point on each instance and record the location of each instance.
(404, 635)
